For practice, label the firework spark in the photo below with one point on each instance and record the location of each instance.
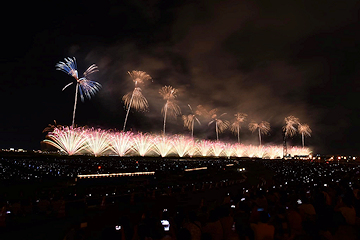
(189, 121)
(121, 142)
(304, 130)
(290, 127)
(217, 148)
(74, 141)
(83, 85)
(236, 124)
(68, 140)
(162, 146)
(263, 128)
(135, 98)
(143, 144)
(169, 94)
(182, 145)
(97, 141)
(220, 125)
(204, 147)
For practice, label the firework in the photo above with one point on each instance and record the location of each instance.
(289, 128)
(142, 144)
(263, 128)
(229, 149)
(299, 151)
(135, 98)
(74, 141)
(220, 125)
(163, 146)
(217, 148)
(239, 150)
(274, 152)
(83, 85)
(68, 140)
(204, 147)
(256, 151)
(121, 142)
(189, 121)
(169, 94)
(182, 145)
(304, 130)
(236, 125)
(97, 141)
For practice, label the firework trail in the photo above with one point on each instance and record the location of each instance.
(83, 85)
(68, 140)
(189, 121)
(169, 94)
(236, 125)
(220, 125)
(135, 98)
(121, 142)
(304, 130)
(263, 128)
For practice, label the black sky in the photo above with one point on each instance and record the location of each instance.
(268, 59)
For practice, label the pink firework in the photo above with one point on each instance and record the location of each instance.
(97, 141)
(182, 145)
(217, 148)
(142, 144)
(121, 142)
(68, 140)
(204, 147)
(163, 145)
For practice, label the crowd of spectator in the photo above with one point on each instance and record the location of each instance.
(301, 200)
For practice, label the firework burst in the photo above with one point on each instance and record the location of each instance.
(136, 99)
(73, 141)
(263, 128)
(97, 141)
(290, 127)
(236, 124)
(68, 140)
(304, 130)
(204, 147)
(169, 94)
(143, 144)
(189, 121)
(163, 145)
(85, 86)
(121, 142)
(220, 125)
(182, 145)
(217, 148)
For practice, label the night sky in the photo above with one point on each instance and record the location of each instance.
(269, 59)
